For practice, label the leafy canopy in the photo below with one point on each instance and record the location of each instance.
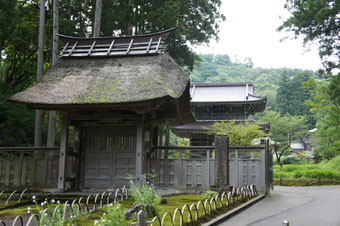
(240, 134)
(325, 104)
(282, 126)
(317, 21)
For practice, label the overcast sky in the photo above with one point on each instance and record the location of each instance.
(250, 31)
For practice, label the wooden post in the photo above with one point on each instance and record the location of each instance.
(180, 176)
(228, 163)
(19, 169)
(76, 161)
(139, 150)
(266, 167)
(208, 168)
(63, 149)
(141, 218)
(160, 143)
(166, 160)
(237, 169)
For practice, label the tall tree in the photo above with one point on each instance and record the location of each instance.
(317, 21)
(39, 114)
(283, 130)
(283, 96)
(196, 22)
(325, 104)
(51, 133)
(97, 18)
(291, 96)
(8, 16)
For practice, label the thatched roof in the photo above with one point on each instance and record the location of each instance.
(76, 82)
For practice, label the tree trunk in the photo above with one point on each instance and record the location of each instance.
(39, 114)
(130, 25)
(97, 18)
(53, 115)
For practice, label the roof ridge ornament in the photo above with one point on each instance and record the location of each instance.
(145, 44)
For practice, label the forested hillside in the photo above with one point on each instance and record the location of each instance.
(220, 68)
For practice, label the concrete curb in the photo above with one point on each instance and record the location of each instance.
(218, 220)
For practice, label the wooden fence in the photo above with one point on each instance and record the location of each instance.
(25, 167)
(193, 167)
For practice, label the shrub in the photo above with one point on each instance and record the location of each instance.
(115, 216)
(321, 173)
(54, 214)
(290, 160)
(208, 194)
(146, 194)
(282, 174)
(290, 168)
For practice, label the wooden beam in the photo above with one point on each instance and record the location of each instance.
(63, 149)
(139, 150)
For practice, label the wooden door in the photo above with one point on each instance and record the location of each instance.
(98, 158)
(124, 161)
(110, 155)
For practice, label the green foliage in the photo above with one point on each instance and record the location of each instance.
(196, 21)
(305, 182)
(208, 194)
(327, 112)
(16, 124)
(115, 216)
(283, 129)
(145, 193)
(307, 171)
(290, 160)
(316, 21)
(52, 213)
(239, 134)
(333, 164)
(291, 96)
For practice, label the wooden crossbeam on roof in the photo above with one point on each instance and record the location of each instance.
(114, 46)
(93, 44)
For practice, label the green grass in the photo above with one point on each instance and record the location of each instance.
(173, 202)
(307, 174)
(305, 182)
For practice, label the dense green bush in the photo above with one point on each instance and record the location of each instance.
(282, 174)
(290, 160)
(115, 216)
(208, 194)
(312, 171)
(145, 194)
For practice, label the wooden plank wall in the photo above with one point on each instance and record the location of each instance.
(28, 172)
(199, 173)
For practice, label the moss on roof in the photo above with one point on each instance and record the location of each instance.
(107, 80)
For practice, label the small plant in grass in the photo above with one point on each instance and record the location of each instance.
(208, 194)
(115, 216)
(145, 194)
(52, 213)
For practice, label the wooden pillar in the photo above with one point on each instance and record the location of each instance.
(166, 176)
(139, 150)
(221, 164)
(267, 168)
(76, 159)
(160, 143)
(63, 149)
